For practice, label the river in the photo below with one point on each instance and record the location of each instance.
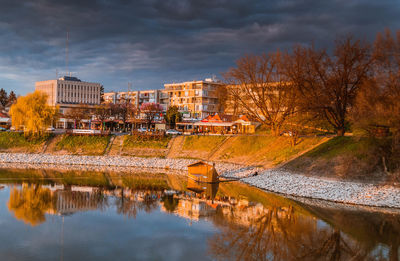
(91, 215)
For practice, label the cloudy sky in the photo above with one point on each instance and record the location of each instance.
(152, 42)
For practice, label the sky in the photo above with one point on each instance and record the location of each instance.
(152, 42)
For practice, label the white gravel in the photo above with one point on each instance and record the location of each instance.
(332, 190)
(115, 161)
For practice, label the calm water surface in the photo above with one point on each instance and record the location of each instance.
(70, 215)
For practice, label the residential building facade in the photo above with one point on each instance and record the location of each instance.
(195, 99)
(136, 97)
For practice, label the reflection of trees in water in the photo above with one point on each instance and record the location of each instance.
(129, 206)
(371, 229)
(170, 203)
(30, 203)
(283, 234)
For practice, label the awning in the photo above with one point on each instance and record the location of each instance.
(215, 124)
(5, 120)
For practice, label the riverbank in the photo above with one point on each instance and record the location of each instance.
(278, 181)
(228, 169)
(355, 193)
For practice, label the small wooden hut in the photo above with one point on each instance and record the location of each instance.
(202, 172)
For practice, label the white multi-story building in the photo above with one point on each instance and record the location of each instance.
(135, 97)
(195, 99)
(69, 92)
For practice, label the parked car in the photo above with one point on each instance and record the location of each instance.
(13, 128)
(142, 130)
(50, 129)
(173, 132)
(3, 129)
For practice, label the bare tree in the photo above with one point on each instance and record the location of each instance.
(151, 110)
(329, 84)
(78, 114)
(377, 106)
(259, 86)
(126, 111)
(102, 113)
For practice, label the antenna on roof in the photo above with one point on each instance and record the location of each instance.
(66, 53)
(129, 92)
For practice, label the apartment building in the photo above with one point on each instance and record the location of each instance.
(195, 99)
(136, 97)
(68, 92)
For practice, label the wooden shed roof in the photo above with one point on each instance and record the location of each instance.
(199, 163)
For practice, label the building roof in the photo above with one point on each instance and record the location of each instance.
(70, 78)
(199, 163)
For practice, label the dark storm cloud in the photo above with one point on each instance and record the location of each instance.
(151, 42)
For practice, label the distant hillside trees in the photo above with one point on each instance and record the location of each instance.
(3, 98)
(7, 99)
(12, 98)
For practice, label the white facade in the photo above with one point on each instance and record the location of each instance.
(69, 91)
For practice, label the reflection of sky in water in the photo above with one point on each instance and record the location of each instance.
(241, 223)
(322, 224)
(103, 235)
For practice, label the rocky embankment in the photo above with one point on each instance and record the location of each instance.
(118, 161)
(283, 182)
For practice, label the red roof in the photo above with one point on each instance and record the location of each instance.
(4, 115)
(215, 118)
(206, 119)
(244, 118)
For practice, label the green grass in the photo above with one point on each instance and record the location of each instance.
(341, 146)
(91, 145)
(353, 158)
(10, 140)
(263, 130)
(267, 148)
(133, 142)
(202, 143)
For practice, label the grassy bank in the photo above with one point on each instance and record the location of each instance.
(83, 145)
(202, 143)
(133, 145)
(357, 158)
(17, 142)
(263, 150)
(133, 142)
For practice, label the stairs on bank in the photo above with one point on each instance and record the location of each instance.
(175, 146)
(116, 146)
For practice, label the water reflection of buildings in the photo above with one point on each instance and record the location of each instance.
(248, 228)
(194, 209)
(69, 202)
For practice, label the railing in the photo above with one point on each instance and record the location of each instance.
(87, 132)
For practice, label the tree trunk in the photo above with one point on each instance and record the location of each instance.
(340, 131)
(394, 252)
(275, 130)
